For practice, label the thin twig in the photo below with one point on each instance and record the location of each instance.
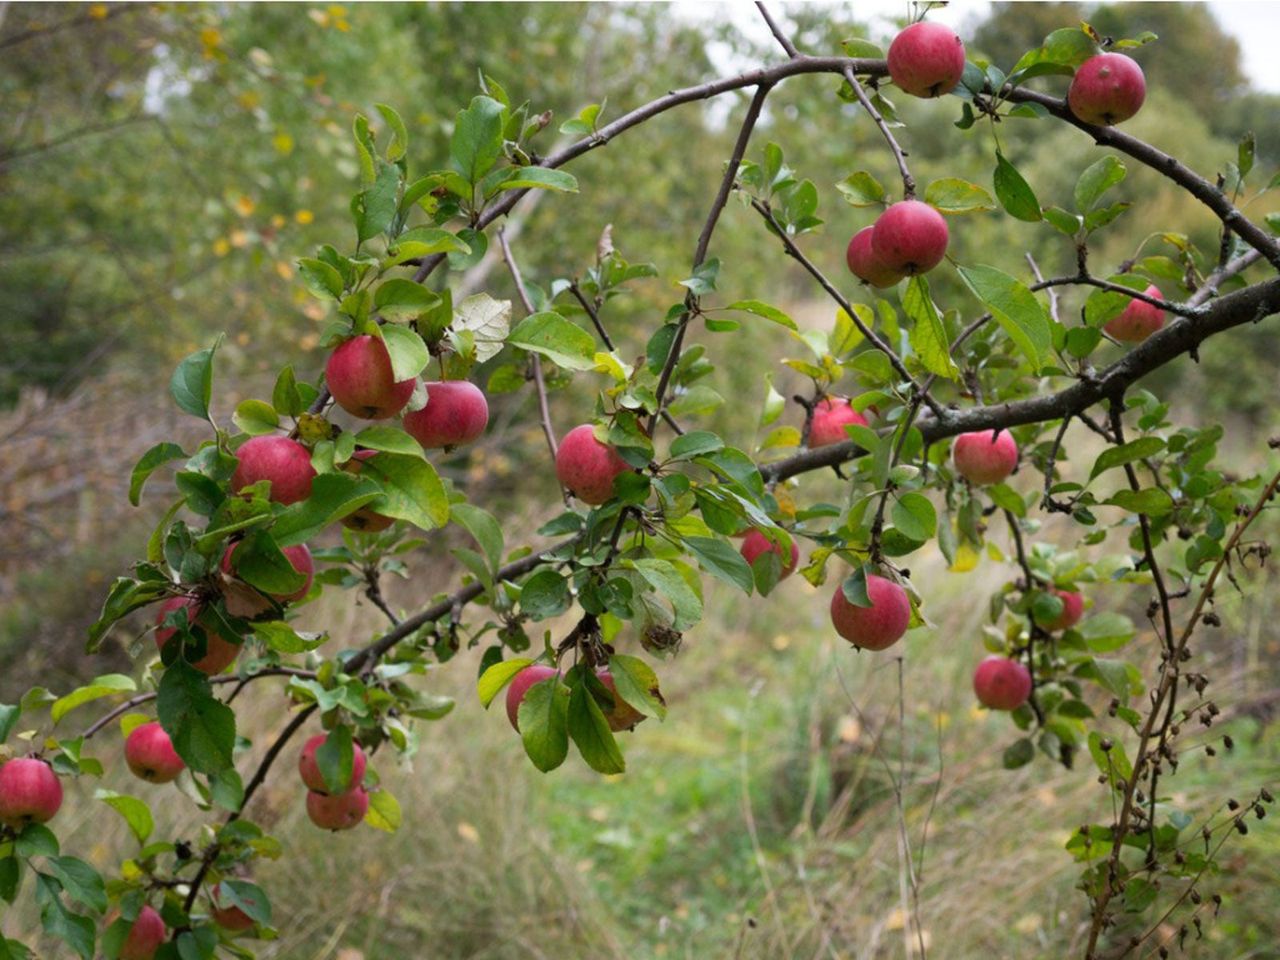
(778, 33)
(899, 155)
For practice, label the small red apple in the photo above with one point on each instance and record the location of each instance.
(299, 558)
(586, 467)
(370, 521)
(229, 917)
(910, 237)
(878, 626)
(756, 543)
(284, 462)
(520, 684)
(219, 650)
(29, 792)
(1072, 610)
(1139, 319)
(1001, 683)
(865, 265)
(830, 416)
(1107, 89)
(456, 413)
(985, 456)
(338, 811)
(150, 755)
(310, 769)
(623, 716)
(359, 376)
(145, 936)
(926, 59)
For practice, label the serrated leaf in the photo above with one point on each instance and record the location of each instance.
(539, 178)
(1097, 179)
(409, 355)
(384, 811)
(150, 461)
(1129, 452)
(591, 734)
(928, 335)
(400, 299)
(483, 527)
(202, 728)
(722, 561)
(914, 516)
(559, 340)
(135, 812)
(761, 309)
(497, 676)
(411, 490)
(951, 195)
(191, 385)
(1015, 308)
(488, 321)
(544, 723)
(861, 189)
(637, 685)
(1014, 193)
(256, 417)
(96, 689)
(476, 143)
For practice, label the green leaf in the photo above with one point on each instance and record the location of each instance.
(637, 685)
(762, 309)
(722, 561)
(1105, 632)
(136, 813)
(154, 458)
(401, 299)
(411, 490)
(82, 883)
(545, 594)
(399, 135)
(928, 335)
(202, 728)
(259, 562)
(1015, 308)
(704, 278)
(285, 395)
(484, 528)
(1014, 193)
(544, 723)
(384, 811)
(36, 840)
(57, 921)
(335, 758)
(1245, 151)
(477, 138)
(282, 638)
(322, 280)
(539, 178)
(192, 383)
(409, 355)
(10, 878)
(1096, 180)
(695, 443)
(497, 676)
(375, 208)
(1114, 675)
(1152, 501)
(914, 516)
(9, 714)
(951, 195)
(671, 586)
(256, 417)
(1019, 754)
(556, 338)
(1006, 498)
(248, 897)
(1129, 452)
(125, 596)
(861, 189)
(590, 732)
(96, 689)
(388, 440)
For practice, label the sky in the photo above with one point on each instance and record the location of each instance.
(1254, 23)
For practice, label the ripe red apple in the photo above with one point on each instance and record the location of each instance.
(456, 413)
(878, 626)
(219, 650)
(145, 936)
(338, 811)
(310, 769)
(1001, 683)
(1139, 319)
(286, 463)
(364, 519)
(229, 917)
(755, 543)
(29, 792)
(520, 684)
(1107, 89)
(299, 558)
(586, 466)
(926, 59)
(985, 457)
(150, 754)
(910, 237)
(623, 716)
(359, 376)
(830, 416)
(865, 265)
(1072, 610)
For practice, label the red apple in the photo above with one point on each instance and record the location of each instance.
(456, 413)
(284, 462)
(910, 237)
(219, 650)
(830, 416)
(1139, 319)
(1107, 89)
(586, 467)
(359, 376)
(338, 811)
(865, 265)
(364, 519)
(150, 755)
(310, 769)
(1001, 683)
(29, 792)
(145, 936)
(1072, 610)
(878, 626)
(985, 457)
(623, 716)
(229, 917)
(755, 543)
(299, 558)
(926, 59)
(520, 684)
